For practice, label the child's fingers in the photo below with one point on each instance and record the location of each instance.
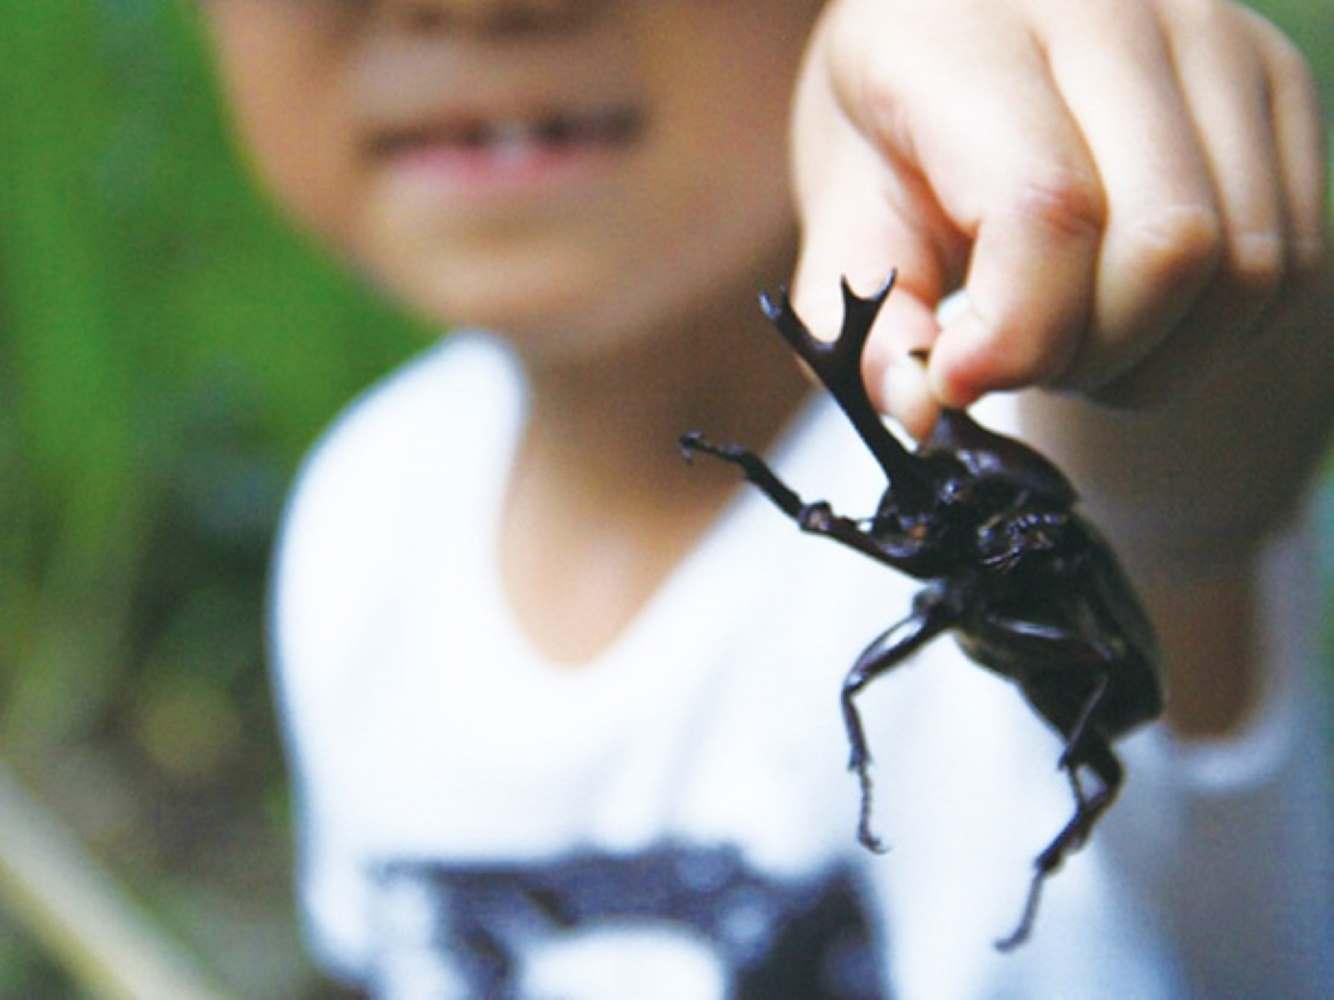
(1298, 124)
(1114, 67)
(969, 113)
(1265, 154)
(1029, 283)
(1225, 87)
(1225, 91)
(1129, 187)
(860, 239)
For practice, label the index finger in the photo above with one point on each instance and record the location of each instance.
(972, 109)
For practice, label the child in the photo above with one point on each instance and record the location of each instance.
(562, 710)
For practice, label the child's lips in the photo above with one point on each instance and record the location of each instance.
(611, 126)
(476, 153)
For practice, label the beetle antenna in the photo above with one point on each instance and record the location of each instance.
(838, 364)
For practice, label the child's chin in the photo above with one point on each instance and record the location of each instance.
(552, 335)
(539, 310)
(515, 313)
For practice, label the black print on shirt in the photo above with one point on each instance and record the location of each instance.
(673, 920)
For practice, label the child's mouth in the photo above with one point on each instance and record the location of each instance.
(511, 145)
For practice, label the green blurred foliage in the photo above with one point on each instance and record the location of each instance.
(167, 352)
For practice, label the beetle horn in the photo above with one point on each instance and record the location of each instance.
(838, 364)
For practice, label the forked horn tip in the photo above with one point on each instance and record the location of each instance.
(876, 297)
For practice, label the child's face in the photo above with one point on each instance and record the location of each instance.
(596, 168)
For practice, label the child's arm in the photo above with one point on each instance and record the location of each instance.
(1132, 194)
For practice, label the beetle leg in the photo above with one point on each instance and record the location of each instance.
(1076, 788)
(1074, 739)
(751, 464)
(1104, 763)
(931, 616)
(1072, 708)
(815, 518)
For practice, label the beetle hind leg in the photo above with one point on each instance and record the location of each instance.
(1098, 756)
(1076, 735)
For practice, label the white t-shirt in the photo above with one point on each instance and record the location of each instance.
(675, 819)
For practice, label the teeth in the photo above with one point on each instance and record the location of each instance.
(516, 139)
(511, 142)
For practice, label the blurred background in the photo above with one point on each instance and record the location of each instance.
(167, 353)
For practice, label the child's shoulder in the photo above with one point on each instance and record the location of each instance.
(407, 413)
(387, 467)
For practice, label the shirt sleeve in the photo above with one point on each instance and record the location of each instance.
(307, 616)
(1248, 894)
(332, 579)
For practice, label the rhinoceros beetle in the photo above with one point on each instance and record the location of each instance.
(1029, 588)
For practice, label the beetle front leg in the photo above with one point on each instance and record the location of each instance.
(816, 518)
(930, 617)
(754, 467)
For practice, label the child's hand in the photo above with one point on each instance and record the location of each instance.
(1122, 186)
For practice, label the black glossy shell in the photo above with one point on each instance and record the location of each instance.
(1095, 603)
(988, 455)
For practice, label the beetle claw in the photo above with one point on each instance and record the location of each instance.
(691, 442)
(860, 765)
